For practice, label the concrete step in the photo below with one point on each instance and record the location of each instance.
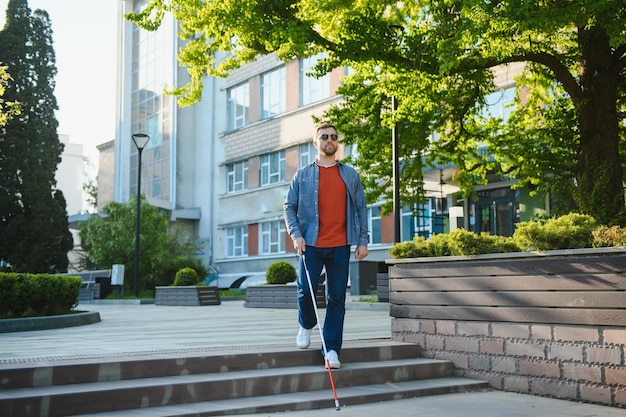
(232, 379)
(307, 400)
(20, 375)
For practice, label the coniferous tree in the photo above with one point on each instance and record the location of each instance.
(34, 233)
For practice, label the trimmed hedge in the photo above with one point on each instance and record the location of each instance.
(34, 295)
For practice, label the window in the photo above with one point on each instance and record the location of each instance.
(374, 219)
(237, 177)
(307, 153)
(237, 241)
(500, 104)
(273, 93)
(238, 106)
(311, 88)
(416, 221)
(273, 168)
(272, 237)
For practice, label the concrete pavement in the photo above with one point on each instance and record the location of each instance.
(129, 330)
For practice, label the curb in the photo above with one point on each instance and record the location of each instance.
(49, 322)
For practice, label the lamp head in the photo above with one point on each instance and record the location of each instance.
(140, 140)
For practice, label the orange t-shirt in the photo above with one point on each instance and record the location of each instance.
(332, 208)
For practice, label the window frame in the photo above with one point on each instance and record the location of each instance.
(233, 248)
(272, 237)
(312, 89)
(236, 121)
(273, 92)
(272, 172)
(232, 171)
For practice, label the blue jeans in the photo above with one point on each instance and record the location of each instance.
(337, 263)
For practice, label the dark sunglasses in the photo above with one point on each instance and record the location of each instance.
(334, 136)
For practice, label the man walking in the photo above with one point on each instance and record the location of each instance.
(325, 214)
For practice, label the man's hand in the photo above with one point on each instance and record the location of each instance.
(360, 252)
(299, 245)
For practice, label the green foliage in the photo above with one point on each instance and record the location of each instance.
(280, 272)
(8, 109)
(437, 59)
(457, 242)
(609, 236)
(32, 295)
(167, 272)
(34, 231)
(186, 276)
(566, 232)
(110, 240)
(571, 231)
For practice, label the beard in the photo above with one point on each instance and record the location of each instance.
(329, 150)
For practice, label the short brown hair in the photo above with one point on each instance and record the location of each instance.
(324, 126)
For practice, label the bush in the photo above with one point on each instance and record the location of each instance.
(281, 272)
(457, 242)
(609, 236)
(571, 231)
(167, 271)
(186, 276)
(34, 295)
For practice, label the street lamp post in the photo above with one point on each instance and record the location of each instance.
(140, 140)
(396, 172)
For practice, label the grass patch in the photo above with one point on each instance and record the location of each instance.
(372, 298)
(233, 293)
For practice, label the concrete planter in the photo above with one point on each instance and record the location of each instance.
(187, 296)
(550, 323)
(278, 296)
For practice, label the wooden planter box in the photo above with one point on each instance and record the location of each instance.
(577, 287)
(542, 323)
(279, 296)
(187, 296)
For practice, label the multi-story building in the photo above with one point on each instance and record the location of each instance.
(222, 166)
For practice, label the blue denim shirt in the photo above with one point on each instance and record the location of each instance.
(301, 205)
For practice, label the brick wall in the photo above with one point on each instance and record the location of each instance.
(579, 363)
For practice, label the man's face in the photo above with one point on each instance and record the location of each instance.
(328, 147)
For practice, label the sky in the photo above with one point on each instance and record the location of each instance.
(85, 44)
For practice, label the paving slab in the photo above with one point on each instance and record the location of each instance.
(137, 330)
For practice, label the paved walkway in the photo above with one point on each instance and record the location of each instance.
(147, 329)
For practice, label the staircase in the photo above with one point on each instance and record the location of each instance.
(269, 379)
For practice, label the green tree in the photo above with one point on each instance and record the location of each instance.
(437, 58)
(34, 229)
(110, 239)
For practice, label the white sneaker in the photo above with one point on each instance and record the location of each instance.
(304, 338)
(332, 359)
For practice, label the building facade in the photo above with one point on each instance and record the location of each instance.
(222, 166)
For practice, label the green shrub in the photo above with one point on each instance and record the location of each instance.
(571, 231)
(280, 272)
(171, 265)
(186, 276)
(34, 295)
(457, 242)
(609, 236)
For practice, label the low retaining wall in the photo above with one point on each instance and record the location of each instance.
(187, 296)
(550, 324)
(279, 296)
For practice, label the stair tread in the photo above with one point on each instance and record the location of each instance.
(304, 400)
(209, 377)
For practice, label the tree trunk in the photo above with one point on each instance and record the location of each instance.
(599, 169)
